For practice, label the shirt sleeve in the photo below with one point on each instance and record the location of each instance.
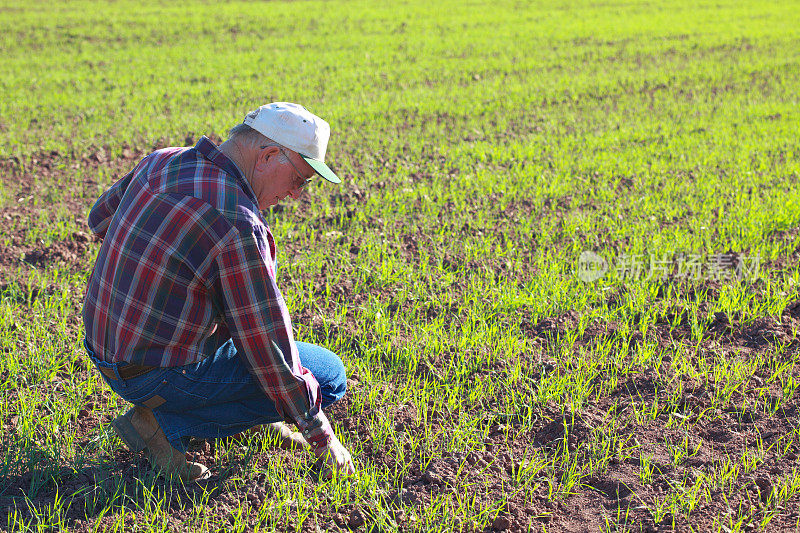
(105, 206)
(259, 323)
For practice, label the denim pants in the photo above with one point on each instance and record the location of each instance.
(218, 397)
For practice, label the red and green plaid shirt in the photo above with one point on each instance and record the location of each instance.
(187, 262)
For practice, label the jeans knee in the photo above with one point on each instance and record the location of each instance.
(327, 368)
(336, 386)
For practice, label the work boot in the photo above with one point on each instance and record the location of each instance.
(125, 431)
(287, 438)
(140, 431)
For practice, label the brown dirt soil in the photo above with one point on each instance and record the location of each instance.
(73, 252)
(488, 473)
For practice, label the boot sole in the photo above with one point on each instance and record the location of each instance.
(127, 433)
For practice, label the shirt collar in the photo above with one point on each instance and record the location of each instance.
(210, 151)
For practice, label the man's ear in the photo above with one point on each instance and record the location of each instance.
(268, 152)
(264, 154)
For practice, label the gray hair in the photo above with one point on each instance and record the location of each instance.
(247, 136)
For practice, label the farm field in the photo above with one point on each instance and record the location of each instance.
(561, 269)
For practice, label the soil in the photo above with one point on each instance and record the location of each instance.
(487, 473)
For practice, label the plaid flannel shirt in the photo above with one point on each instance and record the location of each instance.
(187, 262)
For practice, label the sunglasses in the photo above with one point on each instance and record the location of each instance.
(301, 182)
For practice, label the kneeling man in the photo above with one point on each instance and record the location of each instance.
(183, 315)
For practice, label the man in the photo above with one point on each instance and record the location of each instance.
(182, 313)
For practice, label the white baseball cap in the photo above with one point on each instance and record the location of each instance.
(296, 128)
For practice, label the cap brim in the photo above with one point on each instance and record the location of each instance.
(322, 169)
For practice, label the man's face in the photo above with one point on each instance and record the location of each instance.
(278, 173)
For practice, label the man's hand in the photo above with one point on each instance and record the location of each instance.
(335, 457)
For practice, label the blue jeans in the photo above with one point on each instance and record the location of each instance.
(218, 397)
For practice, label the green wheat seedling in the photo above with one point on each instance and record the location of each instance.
(483, 150)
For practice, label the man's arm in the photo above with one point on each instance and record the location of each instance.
(259, 322)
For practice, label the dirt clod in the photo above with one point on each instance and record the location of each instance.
(501, 523)
(356, 519)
